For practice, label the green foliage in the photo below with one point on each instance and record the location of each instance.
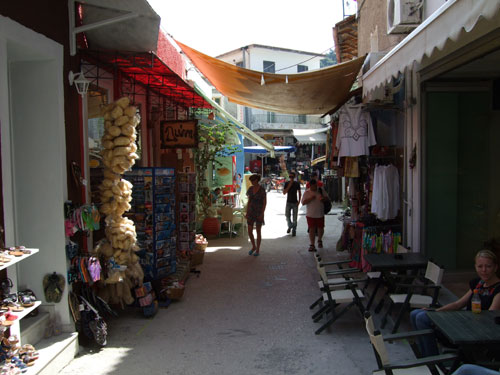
(212, 144)
(330, 59)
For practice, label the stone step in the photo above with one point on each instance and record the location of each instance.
(33, 328)
(55, 353)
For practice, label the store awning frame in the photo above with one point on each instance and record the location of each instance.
(148, 70)
(454, 25)
(321, 159)
(129, 25)
(238, 126)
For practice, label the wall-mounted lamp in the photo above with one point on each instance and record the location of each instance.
(81, 83)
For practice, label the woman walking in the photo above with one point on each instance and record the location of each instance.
(255, 212)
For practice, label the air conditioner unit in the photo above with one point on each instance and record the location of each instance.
(403, 15)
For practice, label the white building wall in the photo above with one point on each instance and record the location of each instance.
(282, 59)
(33, 155)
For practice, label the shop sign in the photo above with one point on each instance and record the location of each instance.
(177, 134)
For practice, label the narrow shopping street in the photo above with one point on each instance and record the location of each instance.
(243, 315)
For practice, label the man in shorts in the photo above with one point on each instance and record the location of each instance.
(315, 213)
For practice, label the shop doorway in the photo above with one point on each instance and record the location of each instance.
(462, 143)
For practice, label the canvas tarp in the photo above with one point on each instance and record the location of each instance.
(314, 92)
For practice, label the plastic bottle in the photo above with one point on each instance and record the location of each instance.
(476, 302)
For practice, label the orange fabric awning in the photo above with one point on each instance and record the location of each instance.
(314, 92)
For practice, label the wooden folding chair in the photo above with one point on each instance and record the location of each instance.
(377, 276)
(432, 280)
(332, 298)
(343, 273)
(417, 366)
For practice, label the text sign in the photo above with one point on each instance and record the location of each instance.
(175, 134)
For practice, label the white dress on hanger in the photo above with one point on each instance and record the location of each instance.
(355, 133)
(385, 195)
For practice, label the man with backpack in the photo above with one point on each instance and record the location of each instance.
(315, 213)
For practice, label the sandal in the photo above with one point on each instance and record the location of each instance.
(312, 248)
(320, 244)
(256, 254)
(26, 300)
(251, 251)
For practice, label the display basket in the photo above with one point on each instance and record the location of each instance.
(197, 258)
(200, 246)
(175, 293)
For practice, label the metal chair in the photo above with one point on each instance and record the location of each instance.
(417, 366)
(332, 298)
(377, 275)
(410, 299)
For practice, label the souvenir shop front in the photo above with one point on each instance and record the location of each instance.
(452, 91)
(142, 183)
(367, 152)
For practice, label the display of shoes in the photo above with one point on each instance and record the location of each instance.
(16, 359)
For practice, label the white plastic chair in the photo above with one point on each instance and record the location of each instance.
(226, 213)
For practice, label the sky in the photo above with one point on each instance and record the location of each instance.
(218, 26)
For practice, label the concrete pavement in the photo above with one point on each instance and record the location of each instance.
(244, 315)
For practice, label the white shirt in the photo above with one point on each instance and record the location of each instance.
(355, 133)
(314, 208)
(385, 195)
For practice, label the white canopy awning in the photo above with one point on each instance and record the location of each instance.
(310, 136)
(454, 25)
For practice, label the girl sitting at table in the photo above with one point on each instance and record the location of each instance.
(488, 287)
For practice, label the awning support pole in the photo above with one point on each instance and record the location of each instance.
(76, 30)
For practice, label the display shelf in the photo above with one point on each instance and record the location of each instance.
(26, 311)
(153, 213)
(15, 260)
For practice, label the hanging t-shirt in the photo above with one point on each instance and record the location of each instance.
(385, 195)
(355, 133)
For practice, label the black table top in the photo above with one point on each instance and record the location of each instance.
(465, 327)
(384, 261)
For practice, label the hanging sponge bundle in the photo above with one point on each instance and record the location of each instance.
(120, 245)
(120, 120)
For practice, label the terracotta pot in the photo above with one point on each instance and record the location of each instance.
(211, 227)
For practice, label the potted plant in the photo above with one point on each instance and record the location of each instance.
(212, 143)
